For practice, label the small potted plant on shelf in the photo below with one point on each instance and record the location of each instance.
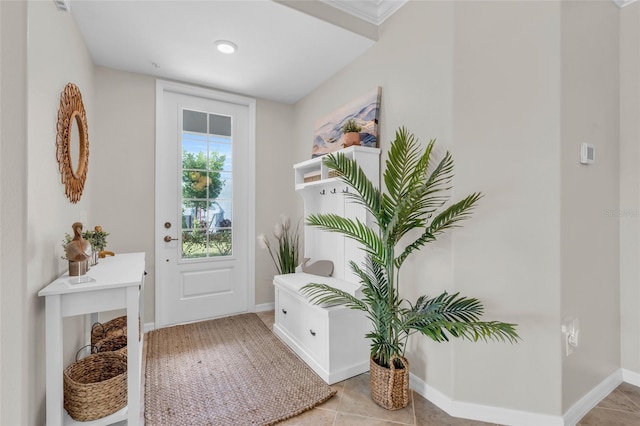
(416, 190)
(351, 130)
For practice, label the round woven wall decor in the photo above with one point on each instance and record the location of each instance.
(70, 112)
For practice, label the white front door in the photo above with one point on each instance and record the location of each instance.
(204, 204)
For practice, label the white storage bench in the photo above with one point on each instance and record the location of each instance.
(331, 340)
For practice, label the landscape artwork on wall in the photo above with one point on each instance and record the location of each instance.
(365, 110)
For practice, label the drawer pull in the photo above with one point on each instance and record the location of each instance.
(313, 333)
(284, 312)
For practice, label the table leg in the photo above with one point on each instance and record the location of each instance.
(133, 359)
(54, 363)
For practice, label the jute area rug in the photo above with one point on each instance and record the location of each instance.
(227, 371)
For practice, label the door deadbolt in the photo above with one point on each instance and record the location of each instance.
(168, 239)
(167, 225)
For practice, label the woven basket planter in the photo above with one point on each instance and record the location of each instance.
(390, 386)
(96, 386)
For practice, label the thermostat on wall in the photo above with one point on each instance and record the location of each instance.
(587, 153)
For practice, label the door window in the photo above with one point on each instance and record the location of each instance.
(207, 185)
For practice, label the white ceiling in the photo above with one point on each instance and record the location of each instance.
(283, 53)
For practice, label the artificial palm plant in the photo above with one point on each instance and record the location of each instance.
(417, 191)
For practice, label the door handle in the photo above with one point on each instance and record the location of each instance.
(168, 239)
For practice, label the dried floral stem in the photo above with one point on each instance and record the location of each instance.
(286, 257)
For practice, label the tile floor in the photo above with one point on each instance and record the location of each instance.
(620, 408)
(352, 406)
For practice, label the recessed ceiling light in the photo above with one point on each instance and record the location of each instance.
(226, 46)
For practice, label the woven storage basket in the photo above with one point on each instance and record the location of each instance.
(113, 342)
(390, 386)
(96, 386)
(114, 327)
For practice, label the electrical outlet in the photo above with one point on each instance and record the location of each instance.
(571, 330)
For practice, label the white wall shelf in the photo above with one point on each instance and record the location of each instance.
(315, 168)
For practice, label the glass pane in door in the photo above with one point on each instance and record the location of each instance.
(207, 188)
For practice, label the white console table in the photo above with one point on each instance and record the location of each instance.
(115, 283)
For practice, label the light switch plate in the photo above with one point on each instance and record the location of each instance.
(587, 153)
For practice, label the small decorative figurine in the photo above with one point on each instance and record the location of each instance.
(78, 252)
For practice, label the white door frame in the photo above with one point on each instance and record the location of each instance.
(185, 89)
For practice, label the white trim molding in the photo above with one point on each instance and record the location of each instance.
(623, 3)
(373, 11)
(263, 307)
(486, 413)
(507, 416)
(585, 404)
(631, 377)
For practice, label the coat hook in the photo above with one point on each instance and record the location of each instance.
(346, 190)
(334, 191)
(322, 192)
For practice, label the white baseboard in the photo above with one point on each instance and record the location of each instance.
(486, 413)
(585, 404)
(631, 377)
(265, 307)
(149, 326)
(506, 416)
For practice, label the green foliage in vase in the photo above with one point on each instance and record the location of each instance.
(97, 239)
(413, 207)
(351, 126)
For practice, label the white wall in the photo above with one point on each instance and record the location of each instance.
(275, 149)
(123, 149)
(13, 223)
(506, 143)
(590, 241)
(56, 55)
(630, 187)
